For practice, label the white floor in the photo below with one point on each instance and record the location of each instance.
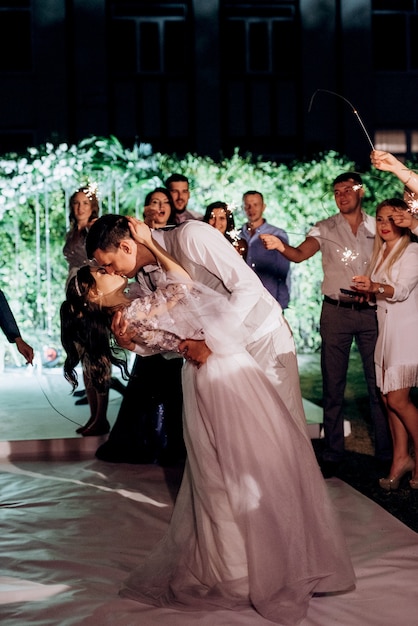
(72, 531)
(37, 405)
(73, 527)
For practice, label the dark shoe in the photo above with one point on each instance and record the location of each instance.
(96, 429)
(81, 429)
(81, 401)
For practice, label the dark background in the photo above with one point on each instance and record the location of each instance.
(209, 76)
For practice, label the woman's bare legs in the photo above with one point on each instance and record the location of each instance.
(403, 423)
(98, 403)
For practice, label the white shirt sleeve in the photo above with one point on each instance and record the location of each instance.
(216, 263)
(405, 272)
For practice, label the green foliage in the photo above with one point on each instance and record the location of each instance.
(34, 193)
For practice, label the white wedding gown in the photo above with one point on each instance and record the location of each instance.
(252, 524)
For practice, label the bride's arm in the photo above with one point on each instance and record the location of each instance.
(195, 351)
(141, 233)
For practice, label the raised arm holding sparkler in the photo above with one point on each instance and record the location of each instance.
(387, 162)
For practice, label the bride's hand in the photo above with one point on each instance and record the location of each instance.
(119, 328)
(140, 231)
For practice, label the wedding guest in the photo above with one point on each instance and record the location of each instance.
(219, 216)
(84, 211)
(178, 186)
(263, 255)
(253, 524)
(387, 162)
(393, 282)
(10, 328)
(159, 209)
(346, 243)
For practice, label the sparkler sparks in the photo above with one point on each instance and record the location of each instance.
(348, 256)
(91, 190)
(412, 203)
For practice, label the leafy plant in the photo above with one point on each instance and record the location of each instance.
(35, 190)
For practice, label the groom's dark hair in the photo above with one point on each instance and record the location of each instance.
(106, 233)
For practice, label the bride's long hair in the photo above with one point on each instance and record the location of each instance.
(86, 336)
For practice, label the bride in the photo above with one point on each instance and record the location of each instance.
(252, 524)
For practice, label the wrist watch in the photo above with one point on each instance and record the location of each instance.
(381, 289)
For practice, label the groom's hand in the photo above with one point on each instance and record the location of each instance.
(195, 350)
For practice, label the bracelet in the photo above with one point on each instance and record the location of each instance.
(408, 179)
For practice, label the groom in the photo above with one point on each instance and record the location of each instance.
(209, 259)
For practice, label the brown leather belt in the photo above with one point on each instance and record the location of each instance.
(355, 306)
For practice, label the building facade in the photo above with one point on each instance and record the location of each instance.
(281, 79)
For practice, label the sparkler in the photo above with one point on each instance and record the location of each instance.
(348, 256)
(91, 190)
(360, 121)
(412, 203)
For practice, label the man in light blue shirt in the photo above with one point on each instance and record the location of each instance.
(270, 265)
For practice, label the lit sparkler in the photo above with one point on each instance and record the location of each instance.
(91, 190)
(360, 121)
(412, 203)
(348, 256)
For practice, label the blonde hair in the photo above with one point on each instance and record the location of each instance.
(393, 256)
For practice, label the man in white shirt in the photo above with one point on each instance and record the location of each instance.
(211, 260)
(346, 242)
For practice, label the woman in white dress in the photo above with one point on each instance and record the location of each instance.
(253, 524)
(393, 281)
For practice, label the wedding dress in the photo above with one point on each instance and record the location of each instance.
(252, 524)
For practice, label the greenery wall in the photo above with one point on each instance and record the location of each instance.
(34, 193)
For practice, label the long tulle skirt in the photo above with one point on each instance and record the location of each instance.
(253, 524)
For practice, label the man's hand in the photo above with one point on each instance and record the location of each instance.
(119, 329)
(271, 242)
(196, 351)
(25, 350)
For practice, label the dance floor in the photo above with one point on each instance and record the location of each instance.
(74, 527)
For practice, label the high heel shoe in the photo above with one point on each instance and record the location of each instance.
(391, 483)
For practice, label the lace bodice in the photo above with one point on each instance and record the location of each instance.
(161, 320)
